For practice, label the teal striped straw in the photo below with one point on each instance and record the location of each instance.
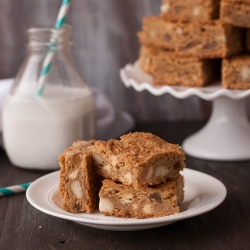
(14, 189)
(51, 53)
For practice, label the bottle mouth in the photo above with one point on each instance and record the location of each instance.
(49, 36)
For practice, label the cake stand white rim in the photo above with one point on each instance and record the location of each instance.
(144, 82)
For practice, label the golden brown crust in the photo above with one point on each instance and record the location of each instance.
(138, 159)
(138, 148)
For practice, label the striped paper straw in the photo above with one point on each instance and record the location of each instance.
(51, 53)
(14, 189)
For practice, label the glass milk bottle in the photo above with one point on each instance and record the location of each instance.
(36, 129)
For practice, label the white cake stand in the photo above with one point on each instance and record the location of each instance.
(226, 136)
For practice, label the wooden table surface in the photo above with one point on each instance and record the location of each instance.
(225, 227)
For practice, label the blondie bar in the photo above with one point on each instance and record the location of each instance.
(190, 10)
(236, 72)
(79, 183)
(169, 69)
(208, 39)
(142, 202)
(138, 159)
(236, 12)
(157, 32)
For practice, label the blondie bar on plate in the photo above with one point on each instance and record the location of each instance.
(79, 184)
(141, 202)
(138, 159)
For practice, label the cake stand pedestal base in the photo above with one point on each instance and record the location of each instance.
(226, 136)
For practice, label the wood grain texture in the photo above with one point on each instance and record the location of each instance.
(104, 35)
(226, 227)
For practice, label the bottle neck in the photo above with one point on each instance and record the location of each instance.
(46, 39)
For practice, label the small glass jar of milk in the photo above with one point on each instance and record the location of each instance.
(36, 129)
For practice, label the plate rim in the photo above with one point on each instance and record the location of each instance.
(125, 221)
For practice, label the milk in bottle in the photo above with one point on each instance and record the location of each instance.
(36, 129)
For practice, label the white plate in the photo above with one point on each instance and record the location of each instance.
(202, 194)
(133, 76)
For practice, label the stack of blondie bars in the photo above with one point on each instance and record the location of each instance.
(193, 43)
(140, 175)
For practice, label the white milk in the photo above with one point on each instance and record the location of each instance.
(36, 130)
